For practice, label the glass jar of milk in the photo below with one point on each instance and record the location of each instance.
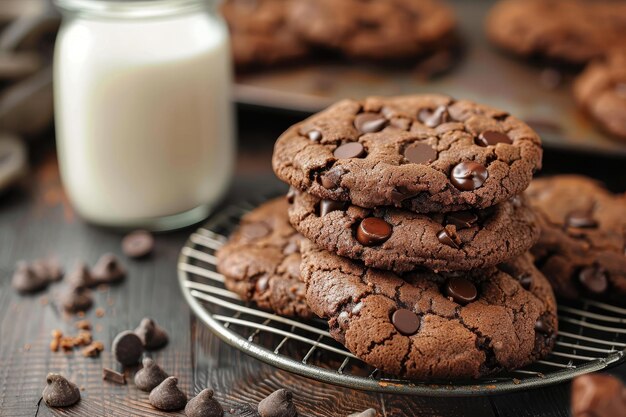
(143, 111)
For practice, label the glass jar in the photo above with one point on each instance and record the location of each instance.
(143, 111)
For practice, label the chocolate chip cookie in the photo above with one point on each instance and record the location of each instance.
(390, 29)
(400, 240)
(569, 31)
(259, 32)
(581, 249)
(261, 261)
(601, 91)
(424, 153)
(434, 326)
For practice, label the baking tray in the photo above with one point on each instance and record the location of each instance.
(483, 74)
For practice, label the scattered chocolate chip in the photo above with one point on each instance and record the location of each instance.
(462, 219)
(400, 193)
(449, 238)
(204, 405)
(461, 290)
(108, 270)
(326, 206)
(526, 281)
(262, 283)
(278, 404)
(75, 299)
(598, 395)
(492, 138)
(127, 348)
(27, 280)
(113, 376)
(370, 412)
(594, 279)
(581, 219)
(138, 244)
(49, 268)
(433, 118)
(60, 392)
(167, 396)
(420, 153)
(543, 327)
(150, 376)
(253, 231)
(373, 231)
(291, 195)
(469, 175)
(405, 321)
(152, 335)
(314, 135)
(81, 276)
(349, 150)
(369, 122)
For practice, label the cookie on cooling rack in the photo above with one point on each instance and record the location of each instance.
(261, 261)
(582, 245)
(434, 326)
(424, 153)
(570, 31)
(601, 91)
(400, 240)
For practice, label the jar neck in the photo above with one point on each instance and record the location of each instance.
(133, 9)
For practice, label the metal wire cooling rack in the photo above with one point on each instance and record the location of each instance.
(592, 334)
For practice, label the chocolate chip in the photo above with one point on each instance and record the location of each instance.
(400, 193)
(262, 283)
(108, 270)
(405, 321)
(491, 138)
(278, 404)
(138, 244)
(373, 231)
(420, 153)
(151, 334)
(76, 298)
(332, 178)
(314, 135)
(433, 118)
(370, 412)
(369, 122)
(26, 280)
(167, 396)
(448, 238)
(291, 195)
(581, 219)
(349, 150)
(81, 276)
(49, 268)
(127, 348)
(113, 376)
(204, 405)
(461, 290)
(594, 279)
(60, 392)
(150, 376)
(326, 206)
(526, 281)
(254, 231)
(468, 176)
(462, 219)
(543, 327)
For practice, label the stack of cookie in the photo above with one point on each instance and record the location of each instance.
(415, 236)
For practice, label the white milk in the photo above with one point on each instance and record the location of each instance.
(143, 116)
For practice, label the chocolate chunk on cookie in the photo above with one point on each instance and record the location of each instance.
(388, 29)
(469, 156)
(261, 261)
(260, 34)
(432, 326)
(400, 240)
(582, 245)
(569, 31)
(601, 91)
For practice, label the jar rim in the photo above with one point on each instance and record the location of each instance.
(131, 8)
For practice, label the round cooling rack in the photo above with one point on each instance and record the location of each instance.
(592, 335)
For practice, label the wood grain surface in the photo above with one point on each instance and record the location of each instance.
(37, 221)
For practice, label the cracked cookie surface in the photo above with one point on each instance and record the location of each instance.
(389, 29)
(582, 245)
(261, 261)
(441, 242)
(434, 326)
(601, 91)
(570, 31)
(424, 153)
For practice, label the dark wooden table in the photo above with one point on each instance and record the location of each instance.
(36, 221)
